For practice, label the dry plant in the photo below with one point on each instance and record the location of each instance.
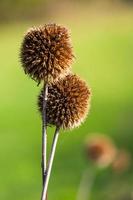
(101, 151)
(46, 56)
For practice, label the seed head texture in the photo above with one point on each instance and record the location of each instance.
(68, 102)
(46, 53)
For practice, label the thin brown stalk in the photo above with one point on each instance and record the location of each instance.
(44, 134)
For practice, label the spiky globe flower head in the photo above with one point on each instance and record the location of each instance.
(46, 53)
(68, 102)
(101, 150)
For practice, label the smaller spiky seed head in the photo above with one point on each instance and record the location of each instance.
(101, 150)
(68, 102)
(46, 53)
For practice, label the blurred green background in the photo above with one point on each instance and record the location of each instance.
(102, 35)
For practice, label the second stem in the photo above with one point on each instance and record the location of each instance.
(44, 133)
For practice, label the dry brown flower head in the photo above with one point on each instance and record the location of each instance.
(46, 53)
(68, 102)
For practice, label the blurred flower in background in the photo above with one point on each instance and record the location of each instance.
(122, 161)
(101, 150)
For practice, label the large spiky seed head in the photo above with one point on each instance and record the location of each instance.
(46, 53)
(68, 102)
(100, 149)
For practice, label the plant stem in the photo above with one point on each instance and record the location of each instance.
(50, 163)
(86, 185)
(44, 133)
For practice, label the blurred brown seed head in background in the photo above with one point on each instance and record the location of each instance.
(46, 53)
(68, 102)
(101, 150)
(122, 161)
